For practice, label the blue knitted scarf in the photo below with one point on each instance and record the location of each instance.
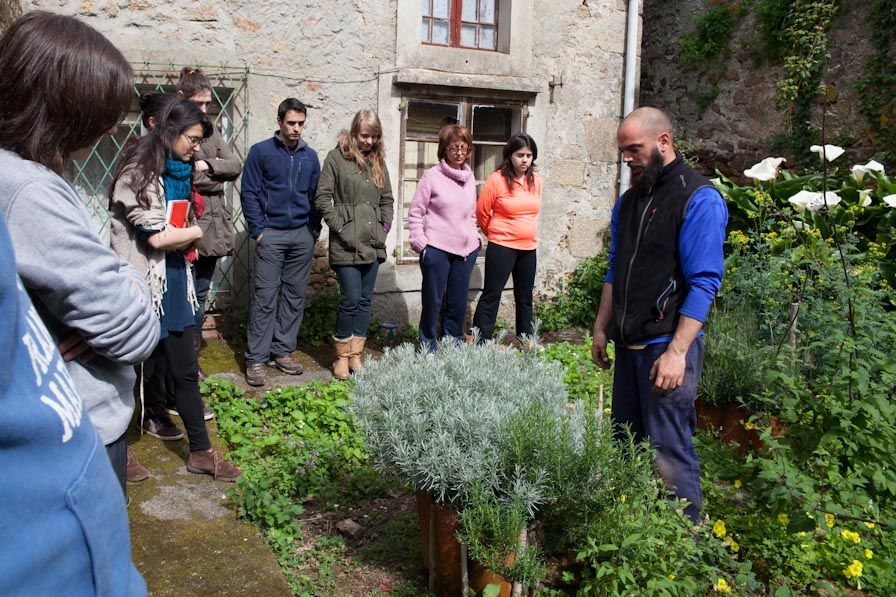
(178, 179)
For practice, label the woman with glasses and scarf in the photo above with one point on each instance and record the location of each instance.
(442, 227)
(155, 171)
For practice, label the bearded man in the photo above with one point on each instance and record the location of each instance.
(666, 265)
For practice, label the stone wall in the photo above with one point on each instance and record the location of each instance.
(737, 128)
(565, 61)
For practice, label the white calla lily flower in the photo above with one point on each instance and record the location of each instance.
(859, 171)
(890, 200)
(813, 201)
(864, 198)
(765, 170)
(828, 152)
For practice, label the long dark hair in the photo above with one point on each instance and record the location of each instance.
(514, 144)
(62, 85)
(146, 156)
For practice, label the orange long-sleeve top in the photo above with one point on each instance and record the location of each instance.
(509, 217)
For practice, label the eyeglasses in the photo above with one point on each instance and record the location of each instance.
(459, 147)
(194, 141)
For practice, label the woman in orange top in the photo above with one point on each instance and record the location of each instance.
(507, 212)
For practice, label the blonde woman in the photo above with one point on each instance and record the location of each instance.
(354, 196)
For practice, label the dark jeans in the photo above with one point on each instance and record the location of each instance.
(118, 457)
(203, 271)
(355, 303)
(668, 421)
(500, 263)
(282, 268)
(176, 354)
(444, 275)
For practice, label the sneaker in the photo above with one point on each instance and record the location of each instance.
(135, 471)
(207, 413)
(286, 364)
(255, 374)
(162, 428)
(212, 463)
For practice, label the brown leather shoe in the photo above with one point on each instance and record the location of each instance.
(286, 364)
(212, 463)
(135, 471)
(255, 375)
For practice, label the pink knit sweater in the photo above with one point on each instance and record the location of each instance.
(443, 211)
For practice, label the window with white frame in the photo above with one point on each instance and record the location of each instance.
(460, 23)
(490, 122)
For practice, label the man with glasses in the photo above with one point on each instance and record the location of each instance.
(279, 183)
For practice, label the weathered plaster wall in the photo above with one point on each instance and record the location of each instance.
(737, 128)
(339, 57)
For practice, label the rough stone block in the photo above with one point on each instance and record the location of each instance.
(567, 173)
(600, 138)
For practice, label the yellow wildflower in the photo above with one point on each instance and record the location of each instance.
(671, 577)
(749, 425)
(783, 518)
(738, 484)
(868, 553)
(622, 498)
(850, 536)
(829, 518)
(722, 586)
(719, 528)
(870, 525)
(732, 544)
(854, 570)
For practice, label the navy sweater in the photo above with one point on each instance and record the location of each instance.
(278, 187)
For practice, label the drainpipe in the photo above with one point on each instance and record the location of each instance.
(628, 97)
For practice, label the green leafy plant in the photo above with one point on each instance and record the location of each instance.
(319, 318)
(575, 303)
(712, 33)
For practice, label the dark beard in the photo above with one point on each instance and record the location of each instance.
(647, 180)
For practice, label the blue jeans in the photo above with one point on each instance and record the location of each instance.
(444, 275)
(282, 269)
(668, 421)
(355, 303)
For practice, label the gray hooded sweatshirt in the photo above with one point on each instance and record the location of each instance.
(77, 282)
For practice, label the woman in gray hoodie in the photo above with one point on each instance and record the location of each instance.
(62, 87)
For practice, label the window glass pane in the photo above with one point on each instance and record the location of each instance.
(486, 159)
(468, 36)
(410, 160)
(424, 30)
(494, 123)
(469, 10)
(440, 8)
(488, 37)
(487, 11)
(427, 118)
(427, 8)
(440, 32)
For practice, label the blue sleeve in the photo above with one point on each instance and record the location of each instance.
(611, 256)
(250, 193)
(314, 216)
(700, 244)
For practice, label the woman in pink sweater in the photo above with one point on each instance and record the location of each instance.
(442, 225)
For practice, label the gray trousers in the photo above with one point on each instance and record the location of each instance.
(282, 267)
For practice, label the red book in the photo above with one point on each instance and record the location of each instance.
(177, 213)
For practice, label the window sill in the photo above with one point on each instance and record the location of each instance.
(424, 76)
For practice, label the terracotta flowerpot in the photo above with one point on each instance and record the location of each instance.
(446, 559)
(481, 577)
(423, 504)
(447, 564)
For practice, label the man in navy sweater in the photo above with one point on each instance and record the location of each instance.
(666, 264)
(279, 183)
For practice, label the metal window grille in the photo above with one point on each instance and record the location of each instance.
(230, 113)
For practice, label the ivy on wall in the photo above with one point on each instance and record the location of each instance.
(877, 87)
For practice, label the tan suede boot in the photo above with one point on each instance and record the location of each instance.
(343, 352)
(354, 359)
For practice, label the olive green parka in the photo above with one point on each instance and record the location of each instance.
(357, 212)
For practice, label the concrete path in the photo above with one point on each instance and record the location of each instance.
(185, 535)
